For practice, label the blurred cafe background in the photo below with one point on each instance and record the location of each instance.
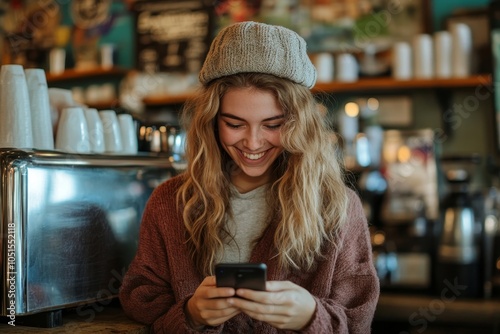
(409, 89)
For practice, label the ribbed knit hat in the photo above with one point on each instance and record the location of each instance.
(258, 47)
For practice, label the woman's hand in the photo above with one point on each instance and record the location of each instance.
(283, 305)
(209, 305)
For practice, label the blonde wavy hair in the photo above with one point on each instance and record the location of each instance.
(307, 195)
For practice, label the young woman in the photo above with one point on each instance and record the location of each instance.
(263, 184)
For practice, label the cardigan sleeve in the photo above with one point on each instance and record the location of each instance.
(146, 293)
(355, 289)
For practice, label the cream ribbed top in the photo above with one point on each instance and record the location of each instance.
(249, 213)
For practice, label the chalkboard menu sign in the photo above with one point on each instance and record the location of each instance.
(172, 36)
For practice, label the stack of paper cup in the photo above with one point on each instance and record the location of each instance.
(402, 65)
(423, 61)
(41, 117)
(443, 48)
(15, 114)
(462, 49)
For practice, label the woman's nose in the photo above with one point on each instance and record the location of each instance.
(253, 139)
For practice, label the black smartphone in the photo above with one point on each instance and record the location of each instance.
(241, 275)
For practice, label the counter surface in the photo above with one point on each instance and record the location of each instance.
(391, 307)
(110, 320)
(446, 309)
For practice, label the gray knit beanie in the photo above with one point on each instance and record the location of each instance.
(258, 47)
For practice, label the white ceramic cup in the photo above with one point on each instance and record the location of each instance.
(96, 131)
(57, 59)
(107, 52)
(462, 50)
(324, 64)
(72, 131)
(112, 134)
(347, 68)
(128, 134)
(41, 114)
(15, 115)
(423, 56)
(443, 57)
(402, 62)
(93, 94)
(107, 92)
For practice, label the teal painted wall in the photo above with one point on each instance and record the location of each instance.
(443, 8)
(121, 33)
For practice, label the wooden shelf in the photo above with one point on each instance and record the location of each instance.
(159, 100)
(364, 85)
(380, 84)
(101, 105)
(73, 74)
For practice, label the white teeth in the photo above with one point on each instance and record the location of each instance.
(253, 156)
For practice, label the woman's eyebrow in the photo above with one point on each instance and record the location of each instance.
(241, 119)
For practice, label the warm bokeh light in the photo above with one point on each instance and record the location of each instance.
(352, 109)
(379, 238)
(404, 154)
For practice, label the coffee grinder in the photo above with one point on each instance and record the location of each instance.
(458, 265)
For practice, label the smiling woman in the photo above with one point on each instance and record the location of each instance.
(248, 124)
(263, 184)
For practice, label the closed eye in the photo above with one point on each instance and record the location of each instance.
(232, 125)
(273, 126)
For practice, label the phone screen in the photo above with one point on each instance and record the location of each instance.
(241, 275)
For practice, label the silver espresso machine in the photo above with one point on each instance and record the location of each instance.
(69, 225)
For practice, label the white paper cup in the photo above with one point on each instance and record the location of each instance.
(72, 131)
(96, 131)
(128, 134)
(112, 134)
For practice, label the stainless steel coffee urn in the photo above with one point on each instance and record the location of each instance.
(458, 250)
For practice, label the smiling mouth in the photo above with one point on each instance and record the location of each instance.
(255, 156)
